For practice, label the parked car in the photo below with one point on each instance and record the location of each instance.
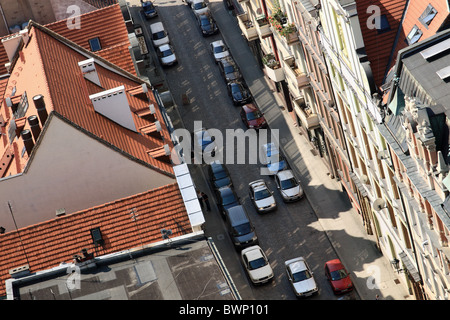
(219, 175)
(229, 69)
(338, 276)
(239, 93)
(226, 198)
(257, 265)
(301, 277)
(272, 158)
(219, 50)
(158, 34)
(289, 187)
(204, 141)
(199, 7)
(240, 227)
(166, 55)
(149, 9)
(252, 117)
(207, 25)
(261, 196)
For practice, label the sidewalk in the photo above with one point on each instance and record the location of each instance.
(371, 272)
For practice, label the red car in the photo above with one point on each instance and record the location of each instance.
(339, 277)
(252, 117)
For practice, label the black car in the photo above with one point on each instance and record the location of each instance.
(239, 93)
(226, 198)
(219, 176)
(229, 69)
(207, 25)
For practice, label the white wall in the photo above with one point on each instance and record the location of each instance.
(73, 171)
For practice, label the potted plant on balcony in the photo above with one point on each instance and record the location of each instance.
(270, 61)
(288, 29)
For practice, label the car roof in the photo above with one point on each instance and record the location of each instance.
(334, 265)
(285, 174)
(164, 47)
(297, 264)
(225, 191)
(216, 166)
(249, 107)
(237, 215)
(253, 252)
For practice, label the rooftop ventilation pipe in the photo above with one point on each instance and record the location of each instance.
(27, 140)
(40, 107)
(33, 121)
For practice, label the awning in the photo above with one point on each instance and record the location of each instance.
(410, 266)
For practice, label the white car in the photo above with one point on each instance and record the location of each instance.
(261, 196)
(272, 158)
(257, 265)
(199, 7)
(289, 187)
(301, 277)
(166, 55)
(219, 50)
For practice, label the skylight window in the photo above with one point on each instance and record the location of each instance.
(428, 15)
(384, 24)
(414, 35)
(95, 44)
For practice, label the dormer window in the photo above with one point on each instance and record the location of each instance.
(95, 44)
(414, 35)
(428, 15)
(384, 24)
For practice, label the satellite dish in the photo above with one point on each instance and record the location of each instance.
(364, 179)
(379, 204)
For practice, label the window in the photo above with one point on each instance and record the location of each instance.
(384, 24)
(95, 44)
(97, 236)
(414, 35)
(428, 15)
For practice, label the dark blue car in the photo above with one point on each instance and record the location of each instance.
(149, 9)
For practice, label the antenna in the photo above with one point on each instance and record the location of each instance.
(166, 233)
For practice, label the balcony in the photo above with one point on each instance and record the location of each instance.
(308, 118)
(273, 68)
(296, 76)
(263, 28)
(247, 27)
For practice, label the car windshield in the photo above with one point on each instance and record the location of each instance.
(159, 35)
(301, 275)
(254, 115)
(242, 229)
(228, 69)
(262, 194)
(199, 5)
(256, 264)
(219, 49)
(338, 274)
(167, 53)
(288, 184)
(205, 22)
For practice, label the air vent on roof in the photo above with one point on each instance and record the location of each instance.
(435, 50)
(113, 104)
(152, 109)
(444, 73)
(60, 212)
(89, 71)
(20, 271)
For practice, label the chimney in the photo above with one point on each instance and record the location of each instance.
(27, 140)
(88, 71)
(40, 106)
(33, 121)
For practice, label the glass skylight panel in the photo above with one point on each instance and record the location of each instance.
(428, 15)
(414, 35)
(95, 44)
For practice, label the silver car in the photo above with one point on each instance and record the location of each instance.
(301, 277)
(261, 196)
(288, 185)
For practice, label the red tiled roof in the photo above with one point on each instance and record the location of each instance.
(379, 46)
(106, 23)
(50, 67)
(50, 243)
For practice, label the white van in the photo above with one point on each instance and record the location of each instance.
(159, 35)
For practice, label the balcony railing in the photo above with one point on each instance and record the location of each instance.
(276, 74)
(309, 119)
(247, 27)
